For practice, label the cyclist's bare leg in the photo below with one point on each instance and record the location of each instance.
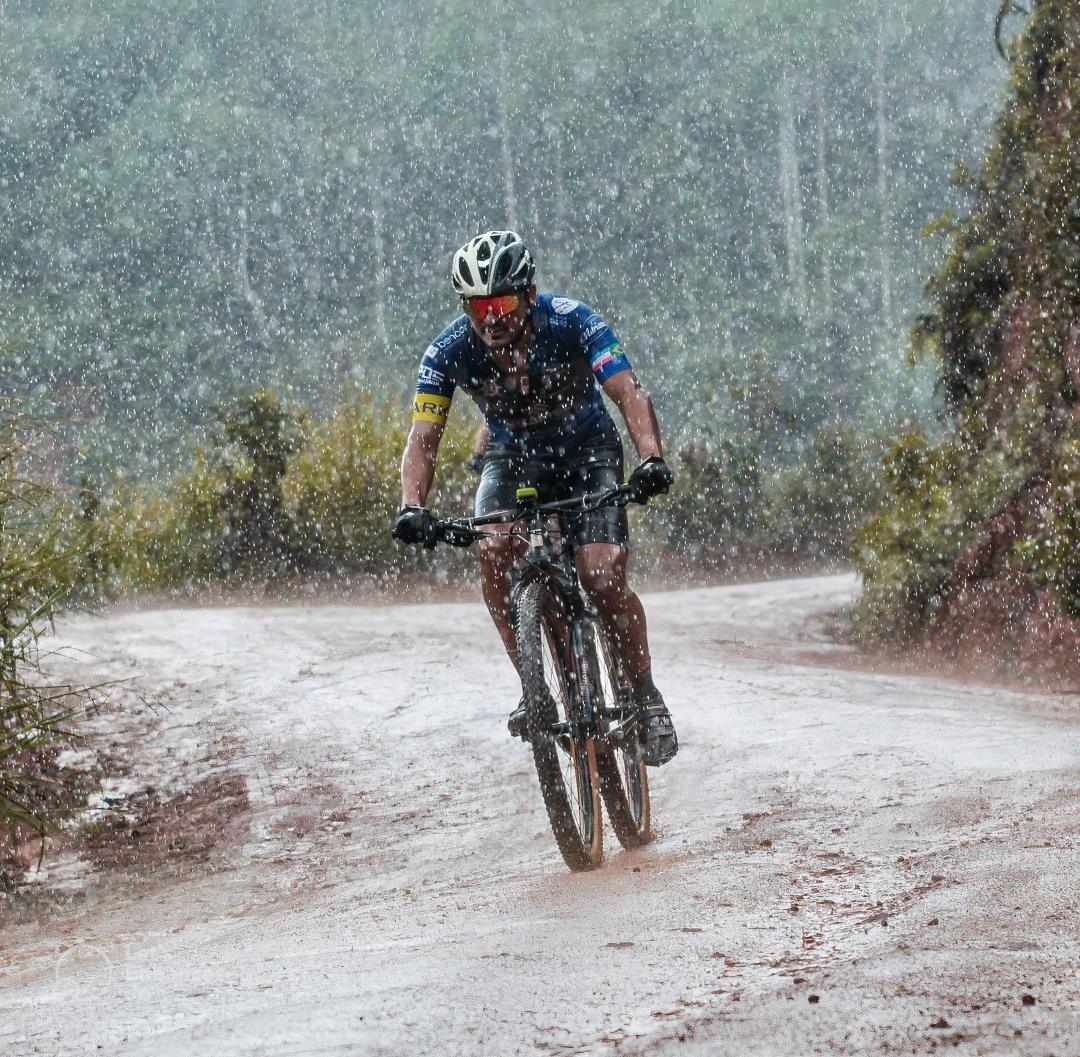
(496, 556)
(602, 571)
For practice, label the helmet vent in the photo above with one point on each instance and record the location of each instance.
(495, 262)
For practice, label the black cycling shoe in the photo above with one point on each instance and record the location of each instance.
(518, 723)
(656, 732)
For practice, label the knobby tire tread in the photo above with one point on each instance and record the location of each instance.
(632, 829)
(541, 713)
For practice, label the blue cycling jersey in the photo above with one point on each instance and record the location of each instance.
(552, 409)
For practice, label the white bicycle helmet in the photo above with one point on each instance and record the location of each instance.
(497, 262)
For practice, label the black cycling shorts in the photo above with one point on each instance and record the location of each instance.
(588, 469)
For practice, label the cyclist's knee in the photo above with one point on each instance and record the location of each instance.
(494, 548)
(602, 569)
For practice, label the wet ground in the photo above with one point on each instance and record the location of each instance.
(845, 862)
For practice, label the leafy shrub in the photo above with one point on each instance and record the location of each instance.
(276, 492)
(342, 488)
(38, 567)
(733, 507)
(154, 540)
(818, 505)
(933, 498)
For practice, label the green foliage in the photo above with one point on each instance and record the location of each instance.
(905, 551)
(154, 540)
(736, 505)
(38, 566)
(715, 513)
(934, 498)
(257, 438)
(341, 489)
(818, 505)
(1003, 329)
(274, 493)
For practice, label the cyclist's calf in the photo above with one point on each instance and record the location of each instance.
(602, 569)
(496, 554)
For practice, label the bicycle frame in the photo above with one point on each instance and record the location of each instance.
(584, 738)
(555, 562)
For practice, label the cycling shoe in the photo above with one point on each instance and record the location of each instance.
(656, 731)
(518, 723)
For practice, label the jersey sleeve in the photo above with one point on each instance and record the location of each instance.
(434, 383)
(602, 348)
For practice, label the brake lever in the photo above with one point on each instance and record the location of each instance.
(456, 534)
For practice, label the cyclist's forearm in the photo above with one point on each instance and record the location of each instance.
(641, 422)
(480, 441)
(418, 465)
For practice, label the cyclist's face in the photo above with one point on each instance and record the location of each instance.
(499, 325)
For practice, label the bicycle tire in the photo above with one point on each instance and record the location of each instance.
(565, 763)
(624, 781)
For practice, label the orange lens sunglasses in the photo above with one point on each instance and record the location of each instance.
(482, 307)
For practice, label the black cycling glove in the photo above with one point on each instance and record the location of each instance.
(651, 478)
(415, 524)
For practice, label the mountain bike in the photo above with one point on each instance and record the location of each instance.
(581, 717)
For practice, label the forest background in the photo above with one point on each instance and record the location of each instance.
(225, 231)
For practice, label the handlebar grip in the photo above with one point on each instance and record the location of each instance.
(455, 535)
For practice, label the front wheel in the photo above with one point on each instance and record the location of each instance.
(564, 753)
(624, 781)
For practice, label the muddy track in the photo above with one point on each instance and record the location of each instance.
(845, 862)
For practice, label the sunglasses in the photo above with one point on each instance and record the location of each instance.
(497, 307)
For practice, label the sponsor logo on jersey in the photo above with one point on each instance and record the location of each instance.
(430, 407)
(430, 376)
(593, 325)
(564, 305)
(445, 342)
(600, 361)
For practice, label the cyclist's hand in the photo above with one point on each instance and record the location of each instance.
(415, 524)
(476, 462)
(651, 478)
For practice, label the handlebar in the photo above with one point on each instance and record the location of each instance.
(463, 532)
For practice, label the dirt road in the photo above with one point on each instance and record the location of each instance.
(845, 862)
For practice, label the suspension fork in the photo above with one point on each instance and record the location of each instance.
(578, 621)
(581, 628)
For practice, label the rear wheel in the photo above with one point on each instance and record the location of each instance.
(624, 781)
(564, 755)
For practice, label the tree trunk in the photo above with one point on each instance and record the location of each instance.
(821, 157)
(507, 160)
(247, 288)
(379, 260)
(790, 192)
(884, 213)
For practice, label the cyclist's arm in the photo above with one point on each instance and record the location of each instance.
(418, 462)
(636, 407)
(480, 441)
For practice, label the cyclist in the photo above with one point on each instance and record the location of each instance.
(535, 365)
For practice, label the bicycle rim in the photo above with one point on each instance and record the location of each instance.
(565, 760)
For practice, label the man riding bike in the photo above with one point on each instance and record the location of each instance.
(535, 365)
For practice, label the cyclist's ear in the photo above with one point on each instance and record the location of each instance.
(532, 294)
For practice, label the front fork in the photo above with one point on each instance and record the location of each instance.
(538, 565)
